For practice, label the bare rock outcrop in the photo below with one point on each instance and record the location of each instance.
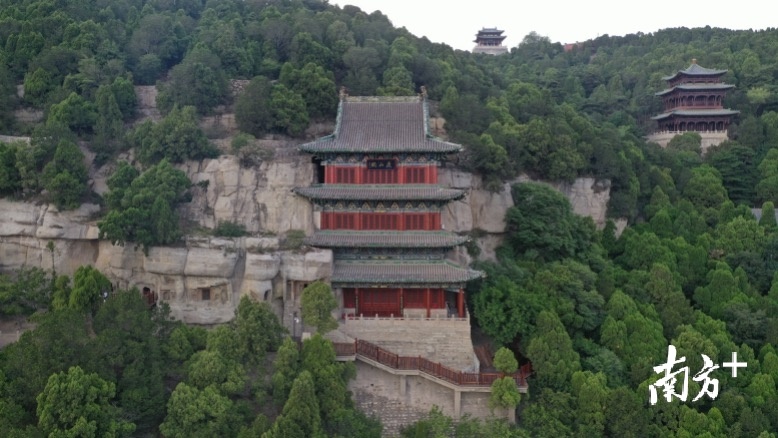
(261, 199)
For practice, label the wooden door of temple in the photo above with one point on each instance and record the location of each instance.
(381, 302)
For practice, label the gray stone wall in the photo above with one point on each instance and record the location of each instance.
(399, 401)
(444, 340)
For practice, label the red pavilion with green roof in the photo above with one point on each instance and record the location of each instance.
(693, 102)
(378, 207)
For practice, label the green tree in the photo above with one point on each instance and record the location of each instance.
(767, 187)
(739, 235)
(192, 412)
(551, 352)
(253, 112)
(128, 349)
(688, 141)
(505, 310)
(74, 112)
(65, 176)
(504, 394)
(591, 393)
(505, 362)
(37, 85)
(75, 403)
(10, 178)
(705, 188)
(257, 329)
(89, 284)
(177, 138)
(133, 219)
(300, 417)
(287, 367)
(542, 224)
(317, 304)
(209, 368)
(198, 81)
(398, 81)
(316, 86)
(288, 111)
(329, 377)
(27, 290)
(767, 220)
(109, 127)
(736, 165)
(625, 414)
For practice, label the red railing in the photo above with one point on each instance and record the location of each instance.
(345, 348)
(434, 369)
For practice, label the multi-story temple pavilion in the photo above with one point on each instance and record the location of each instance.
(378, 207)
(489, 40)
(693, 102)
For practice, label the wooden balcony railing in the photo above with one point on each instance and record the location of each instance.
(434, 369)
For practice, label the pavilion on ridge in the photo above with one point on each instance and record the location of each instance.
(489, 41)
(693, 102)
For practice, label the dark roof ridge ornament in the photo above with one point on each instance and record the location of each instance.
(343, 93)
(423, 93)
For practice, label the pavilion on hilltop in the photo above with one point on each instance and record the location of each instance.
(693, 102)
(378, 207)
(489, 41)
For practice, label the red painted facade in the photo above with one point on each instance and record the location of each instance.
(387, 301)
(391, 301)
(428, 221)
(427, 174)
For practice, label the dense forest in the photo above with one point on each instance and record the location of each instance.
(594, 312)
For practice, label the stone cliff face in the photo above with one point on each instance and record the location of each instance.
(484, 211)
(259, 198)
(204, 278)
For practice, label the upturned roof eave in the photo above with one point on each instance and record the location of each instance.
(329, 144)
(382, 193)
(700, 87)
(701, 113)
(455, 275)
(386, 239)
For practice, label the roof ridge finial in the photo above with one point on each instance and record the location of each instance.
(343, 93)
(423, 93)
(694, 60)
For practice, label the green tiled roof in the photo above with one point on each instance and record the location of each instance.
(380, 192)
(696, 87)
(405, 273)
(696, 112)
(385, 239)
(381, 125)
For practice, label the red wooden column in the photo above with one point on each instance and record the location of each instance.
(427, 301)
(357, 293)
(461, 303)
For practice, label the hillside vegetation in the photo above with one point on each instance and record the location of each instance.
(593, 312)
